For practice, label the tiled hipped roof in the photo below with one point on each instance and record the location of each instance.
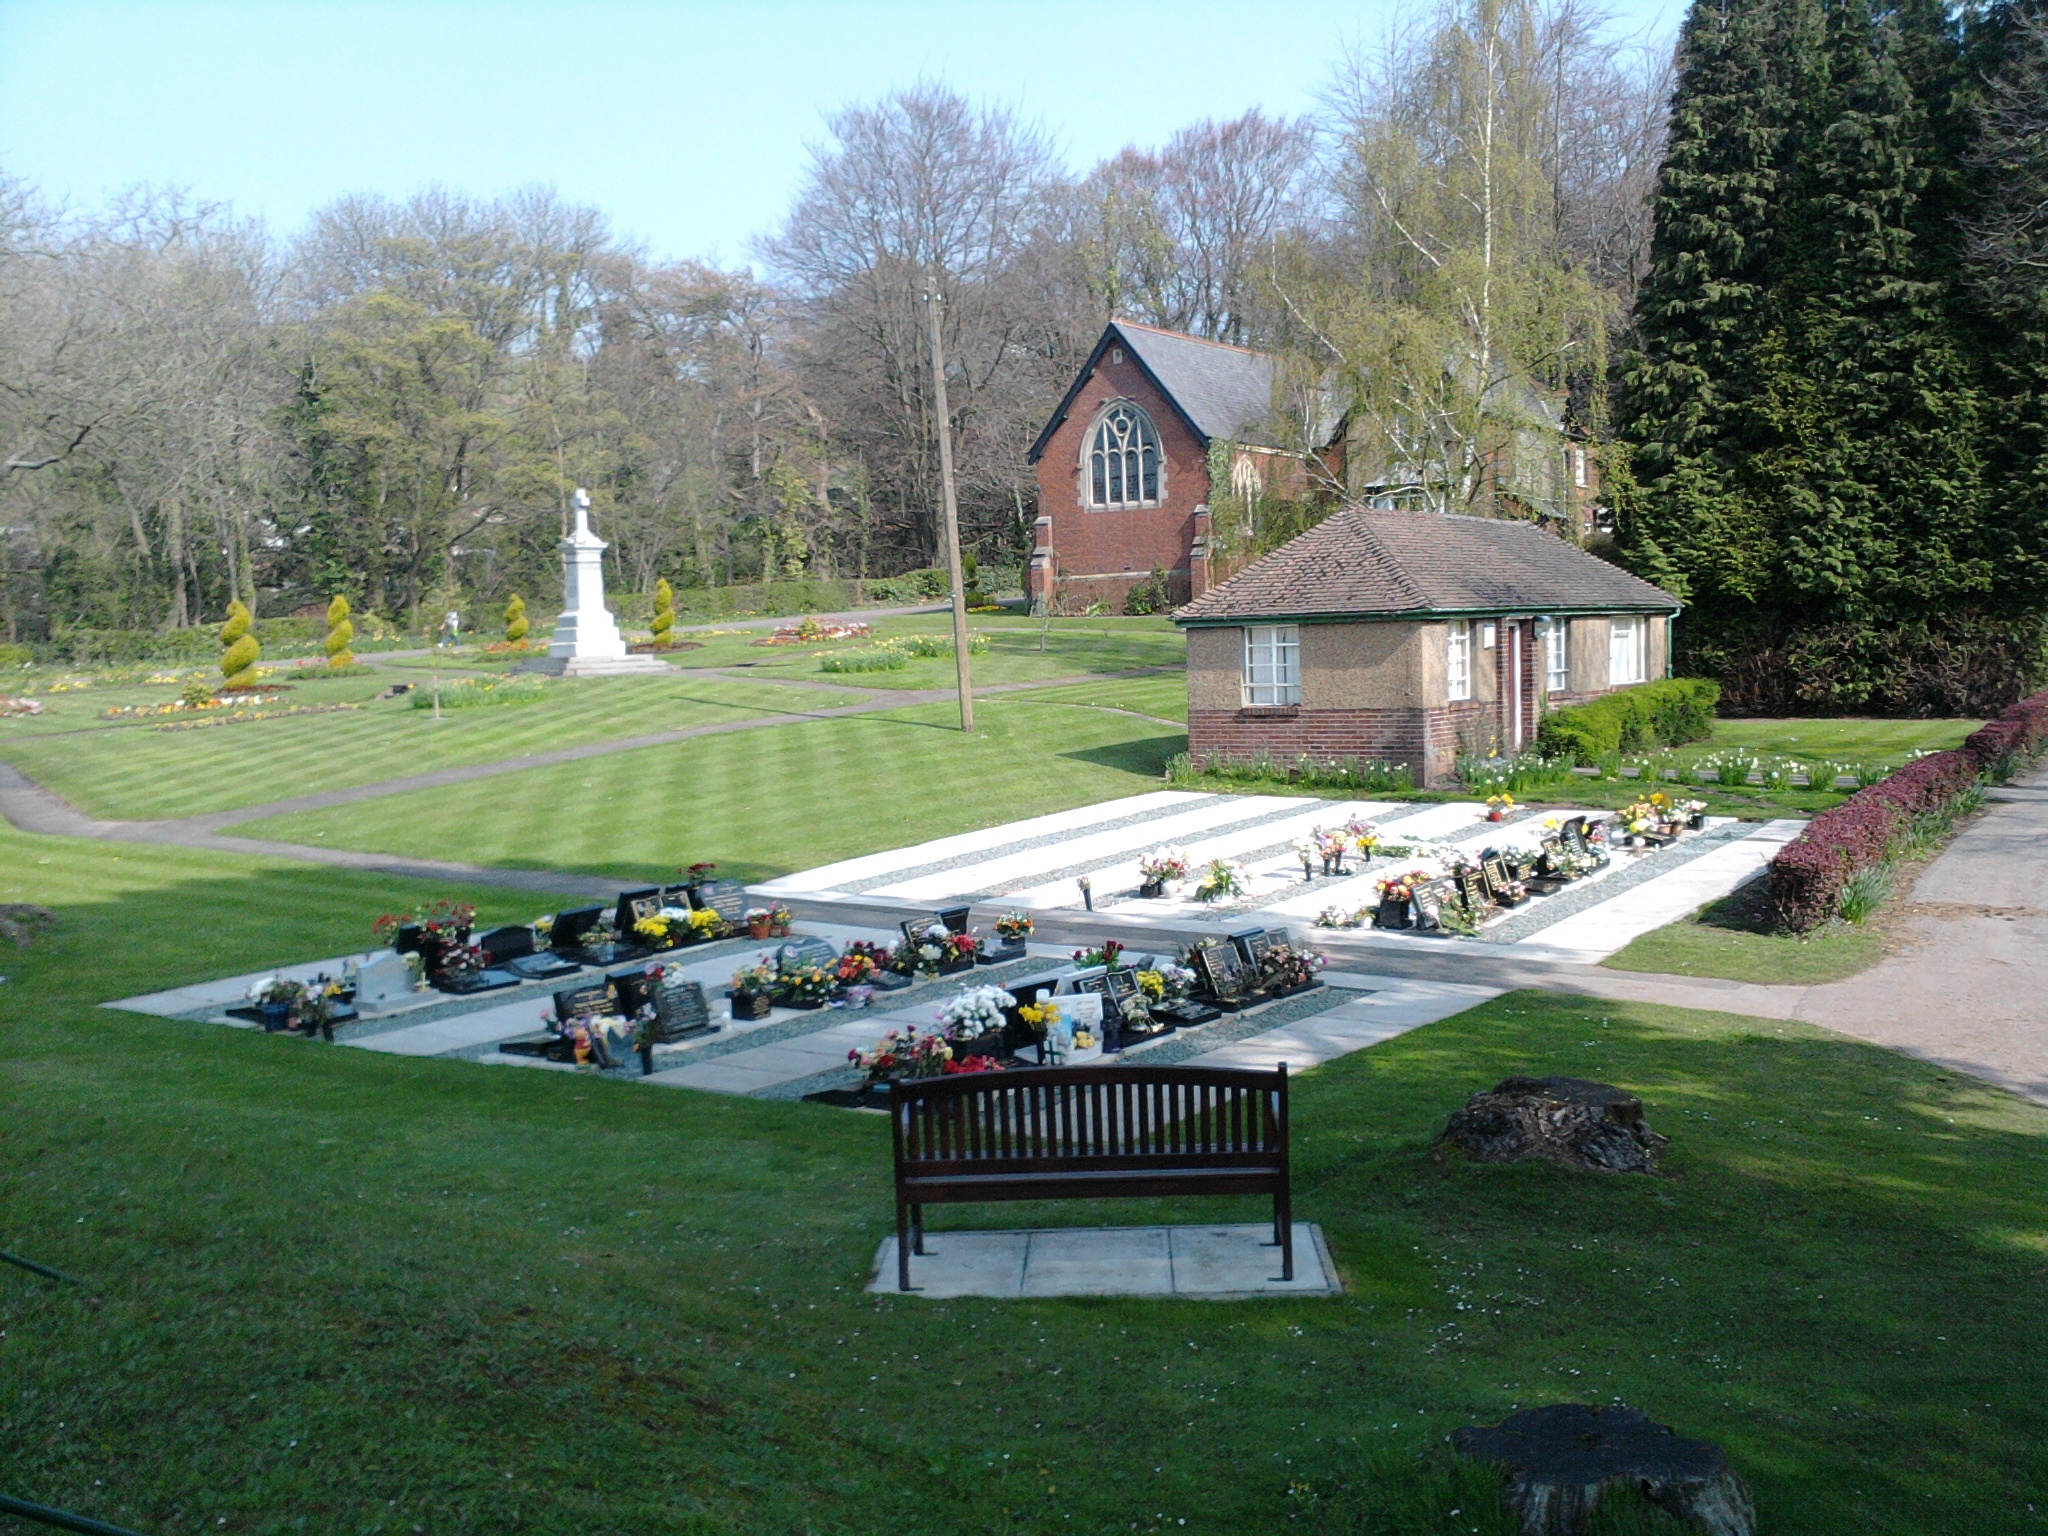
(1360, 563)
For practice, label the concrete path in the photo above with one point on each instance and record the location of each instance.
(1207, 1263)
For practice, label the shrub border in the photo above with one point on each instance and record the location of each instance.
(1808, 873)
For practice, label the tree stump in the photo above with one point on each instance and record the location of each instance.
(1566, 1120)
(1562, 1460)
(24, 921)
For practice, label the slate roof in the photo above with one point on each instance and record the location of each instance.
(1365, 563)
(1219, 390)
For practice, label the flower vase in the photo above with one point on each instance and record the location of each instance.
(276, 1017)
(1391, 914)
(758, 927)
(1151, 890)
(750, 1005)
(1496, 815)
(779, 929)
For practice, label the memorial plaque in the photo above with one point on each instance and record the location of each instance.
(807, 951)
(384, 978)
(728, 898)
(1122, 988)
(1429, 899)
(634, 906)
(1219, 970)
(1574, 835)
(680, 1011)
(1496, 875)
(633, 988)
(1084, 1010)
(676, 896)
(571, 926)
(1472, 891)
(1252, 946)
(955, 918)
(589, 1001)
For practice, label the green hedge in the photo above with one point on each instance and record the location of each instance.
(1669, 713)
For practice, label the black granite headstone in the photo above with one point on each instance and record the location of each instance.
(728, 898)
(806, 951)
(1252, 946)
(679, 1010)
(1219, 970)
(592, 1000)
(634, 906)
(571, 926)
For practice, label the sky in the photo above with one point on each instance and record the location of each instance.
(688, 124)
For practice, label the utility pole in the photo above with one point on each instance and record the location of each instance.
(945, 428)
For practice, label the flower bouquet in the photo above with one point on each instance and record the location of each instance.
(1364, 835)
(1500, 807)
(779, 919)
(854, 968)
(893, 963)
(903, 1053)
(1160, 868)
(974, 1014)
(1331, 846)
(806, 986)
(701, 924)
(752, 990)
(1284, 969)
(1397, 899)
(1342, 917)
(1013, 929)
(1695, 813)
(274, 998)
(658, 932)
(1223, 879)
(760, 922)
(1108, 956)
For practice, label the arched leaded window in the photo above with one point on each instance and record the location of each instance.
(1124, 468)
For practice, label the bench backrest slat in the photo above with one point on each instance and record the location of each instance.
(1091, 1114)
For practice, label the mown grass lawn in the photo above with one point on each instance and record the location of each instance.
(332, 1291)
(123, 770)
(763, 803)
(1732, 938)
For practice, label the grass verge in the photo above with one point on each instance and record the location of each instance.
(1737, 938)
(338, 1291)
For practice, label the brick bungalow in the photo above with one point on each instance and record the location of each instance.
(1411, 637)
(1123, 465)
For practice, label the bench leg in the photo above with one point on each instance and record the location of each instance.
(1283, 1222)
(917, 1228)
(902, 1247)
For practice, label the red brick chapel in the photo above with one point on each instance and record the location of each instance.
(1123, 465)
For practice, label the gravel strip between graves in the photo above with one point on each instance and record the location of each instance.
(1181, 1045)
(1548, 910)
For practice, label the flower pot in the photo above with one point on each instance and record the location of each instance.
(1391, 914)
(759, 928)
(1697, 821)
(778, 930)
(276, 1016)
(1151, 890)
(1496, 816)
(750, 1005)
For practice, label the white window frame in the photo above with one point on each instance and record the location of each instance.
(1272, 665)
(1458, 661)
(1628, 650)
(1557, 655)
(1122, 461)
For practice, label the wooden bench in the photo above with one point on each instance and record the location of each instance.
(1087, 1132)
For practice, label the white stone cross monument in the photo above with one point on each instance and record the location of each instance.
(587, 641)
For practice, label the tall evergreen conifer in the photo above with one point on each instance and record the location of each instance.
(1808, 414)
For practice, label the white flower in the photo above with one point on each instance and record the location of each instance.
(975, 1011)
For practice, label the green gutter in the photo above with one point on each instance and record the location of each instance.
(1414, 615)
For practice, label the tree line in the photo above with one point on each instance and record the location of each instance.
(1836, 395)
(395, 403)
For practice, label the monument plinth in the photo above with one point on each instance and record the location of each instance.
(587, 641)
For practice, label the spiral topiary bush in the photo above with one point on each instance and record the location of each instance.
(238, 661)
(516, 626)
(664, 612)
(339, 633)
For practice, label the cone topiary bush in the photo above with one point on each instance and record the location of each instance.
(516, 626)
(238, 661)
(664, 612)
(339, 633)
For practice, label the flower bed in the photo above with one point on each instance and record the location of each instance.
(1809, 873)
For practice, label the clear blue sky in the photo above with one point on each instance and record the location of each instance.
(686, 123)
